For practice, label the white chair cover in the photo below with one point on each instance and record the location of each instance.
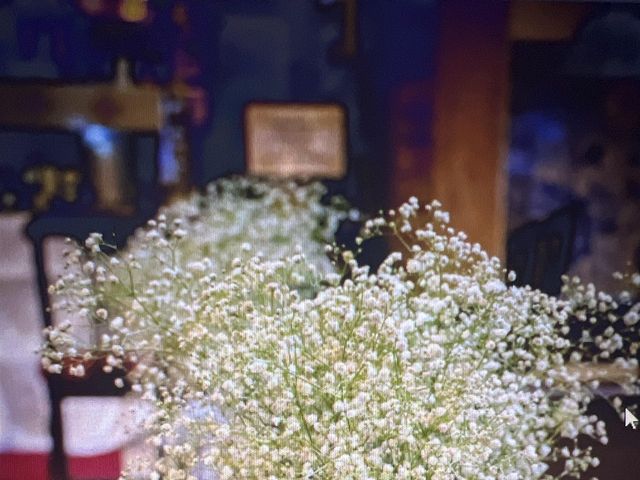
(92, 425)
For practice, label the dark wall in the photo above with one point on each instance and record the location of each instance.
(245, 50)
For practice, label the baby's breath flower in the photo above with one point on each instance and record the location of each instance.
(264, 362)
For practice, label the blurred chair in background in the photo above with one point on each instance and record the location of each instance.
(116, 218)
(540, 252)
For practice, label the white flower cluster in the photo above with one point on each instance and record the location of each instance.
(431, 367)
(138, 297)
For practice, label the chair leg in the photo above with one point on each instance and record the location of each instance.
(58, 469)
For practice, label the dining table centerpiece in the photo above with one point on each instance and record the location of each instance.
(269, 352)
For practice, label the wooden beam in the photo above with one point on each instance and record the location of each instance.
(470, 119)
(46, 106)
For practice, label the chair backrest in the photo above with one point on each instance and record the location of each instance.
(540, 252)
(78, 219)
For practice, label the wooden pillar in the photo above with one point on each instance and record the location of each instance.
(470, 119)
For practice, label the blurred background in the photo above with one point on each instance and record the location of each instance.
(522, 117)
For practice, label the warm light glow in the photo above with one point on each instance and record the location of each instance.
(133, 10)
(293, 140)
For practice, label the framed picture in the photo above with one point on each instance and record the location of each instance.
(296, 140)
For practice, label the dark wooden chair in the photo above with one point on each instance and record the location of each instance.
(540, 252)
(77, 222)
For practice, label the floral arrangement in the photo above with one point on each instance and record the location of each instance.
(276, 366)
(234, 219)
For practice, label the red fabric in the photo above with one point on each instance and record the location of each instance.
(33, 466)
